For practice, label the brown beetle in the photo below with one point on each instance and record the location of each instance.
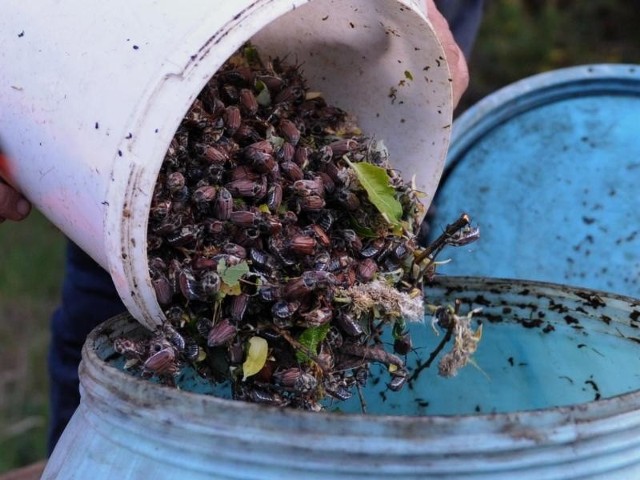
(291, 171)
(317, 317)
(348, 324)
(175, 181)
(305, 188)
(214, 155)
(274, 197)
(272, 82)
(162, 288)
(301, 245)
(184, 236)
(130, 349)
(243, 218)
(162, 359)
(248, 102)
(204, 194)
(366, 270)
(311, 203)
(301, 156)
(238, 307)
(289, 131)
(221, 333)
(247, 188)
(286, 152)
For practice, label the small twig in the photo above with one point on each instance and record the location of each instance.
(373, 354)
(439, 243)
(434, 354)
(363, 402)
(303, 348)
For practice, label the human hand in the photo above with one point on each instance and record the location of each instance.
(455, 56)
(13, 205)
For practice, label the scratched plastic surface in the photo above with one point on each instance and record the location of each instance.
(548, 168)
(558, 397)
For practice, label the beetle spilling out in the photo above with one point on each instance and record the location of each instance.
(282, 245)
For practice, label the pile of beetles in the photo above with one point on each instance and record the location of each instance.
(275, 266)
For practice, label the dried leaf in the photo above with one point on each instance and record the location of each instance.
(312, 95)
(256, 357)
(376, 182)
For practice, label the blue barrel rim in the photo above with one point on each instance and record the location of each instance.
(535, 91)
(576, 441)
(600, 409)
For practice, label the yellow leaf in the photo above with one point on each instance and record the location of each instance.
(201, 356)
(230, 290)
(256, 357)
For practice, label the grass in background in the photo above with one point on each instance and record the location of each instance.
(30, 278)
(518, 38)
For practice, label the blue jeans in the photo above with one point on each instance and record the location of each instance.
(464, 17)
(88, 294)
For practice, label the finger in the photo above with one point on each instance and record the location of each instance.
(461, 80)
(13, 206)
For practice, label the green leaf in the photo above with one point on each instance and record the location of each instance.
(311, 338)
(251, 54)
(274, 139)
(376, 182)
(231, 275)
(264, 97)
(361, 230)
(256, 357)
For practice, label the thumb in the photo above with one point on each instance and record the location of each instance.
(13, 205)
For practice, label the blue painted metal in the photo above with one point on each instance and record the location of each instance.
(549, 168)
(556, 396)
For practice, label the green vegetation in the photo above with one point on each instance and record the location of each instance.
(30, 279)
(518, 38)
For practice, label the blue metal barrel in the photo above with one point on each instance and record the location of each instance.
(555, 394)
(549, 168)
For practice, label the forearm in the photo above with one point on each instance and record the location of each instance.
(455, 57)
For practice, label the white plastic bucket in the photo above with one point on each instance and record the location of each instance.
(92, 93)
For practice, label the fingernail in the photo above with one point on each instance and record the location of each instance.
(23, 207)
